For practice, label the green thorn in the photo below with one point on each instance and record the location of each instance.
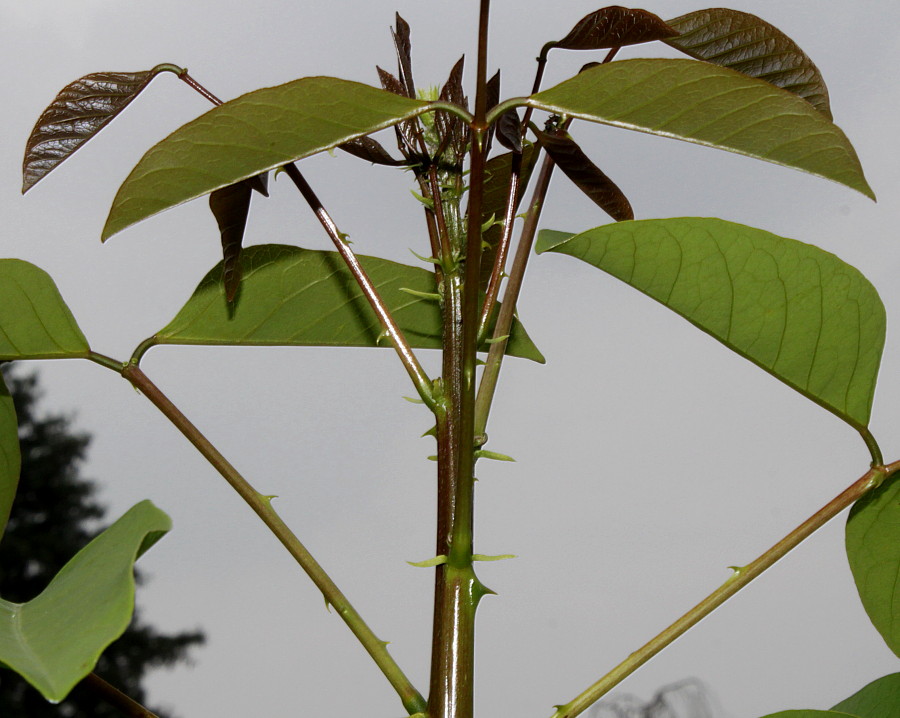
(424, 200)
(431, 432)
(501, 557)
(429, 563)
(485, 454)
(497, 340)
(413, 400)
(430, 296)
(427, 260)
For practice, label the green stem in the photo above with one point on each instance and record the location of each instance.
(114, 697)
(874, 449)
(262, 505)
(741, 577)
(457, 589)
(106, 361)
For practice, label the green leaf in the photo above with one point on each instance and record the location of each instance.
(873, 550)
(10, 457)
(35, 322)
(750, 45)
(80, 110)
(713, 106)
(793, 309)
(879, 699)
(810, 714)
(54, 640)
(300, 297)
(256, 132)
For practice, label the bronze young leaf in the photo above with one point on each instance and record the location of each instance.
(80, 110)
(368, 149)
(576, 165)
(614, 26)
(230, 205)
(745, 43)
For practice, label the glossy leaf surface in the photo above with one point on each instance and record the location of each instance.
(793, 309)
(750, 45)
(80, 110)
(54, 640)
(300, 297)
(35, 322)
(615, 26)
(879, 699)
(810, 714)
(713, 106)
(873, 550)
(589, 178)
(254, 133)
(10, 456)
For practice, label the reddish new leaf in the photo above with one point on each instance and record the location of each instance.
(77, 113)
(576, 165)
(747, 44)
(405, 131)
(368, 149)
(452, 131)
(404, 55)
(615, 26)
(230, 206)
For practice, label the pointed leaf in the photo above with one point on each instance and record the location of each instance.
(35, 322)
(404, 55)
(230, 206)
(589, 178)
(509, 130)
(371, 150)
(256, 132)
(744, 42)
(80, 110)
(452, 131)
(873, 550)
(793, 309)
(10, 457)
(496, 192)
(299, 297)
(709, 105)
(879, 699)
(54, 640)
(615, 26)
(810, 714)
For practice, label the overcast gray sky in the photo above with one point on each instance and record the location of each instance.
(649, 458)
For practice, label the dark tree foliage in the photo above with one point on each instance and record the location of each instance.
(55, 513)
(685, 699)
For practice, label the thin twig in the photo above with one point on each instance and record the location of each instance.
(262, 505)
(114, 697)
(739, 579)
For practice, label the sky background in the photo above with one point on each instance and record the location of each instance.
(649, 457)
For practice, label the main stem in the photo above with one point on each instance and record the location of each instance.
(457, 589)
